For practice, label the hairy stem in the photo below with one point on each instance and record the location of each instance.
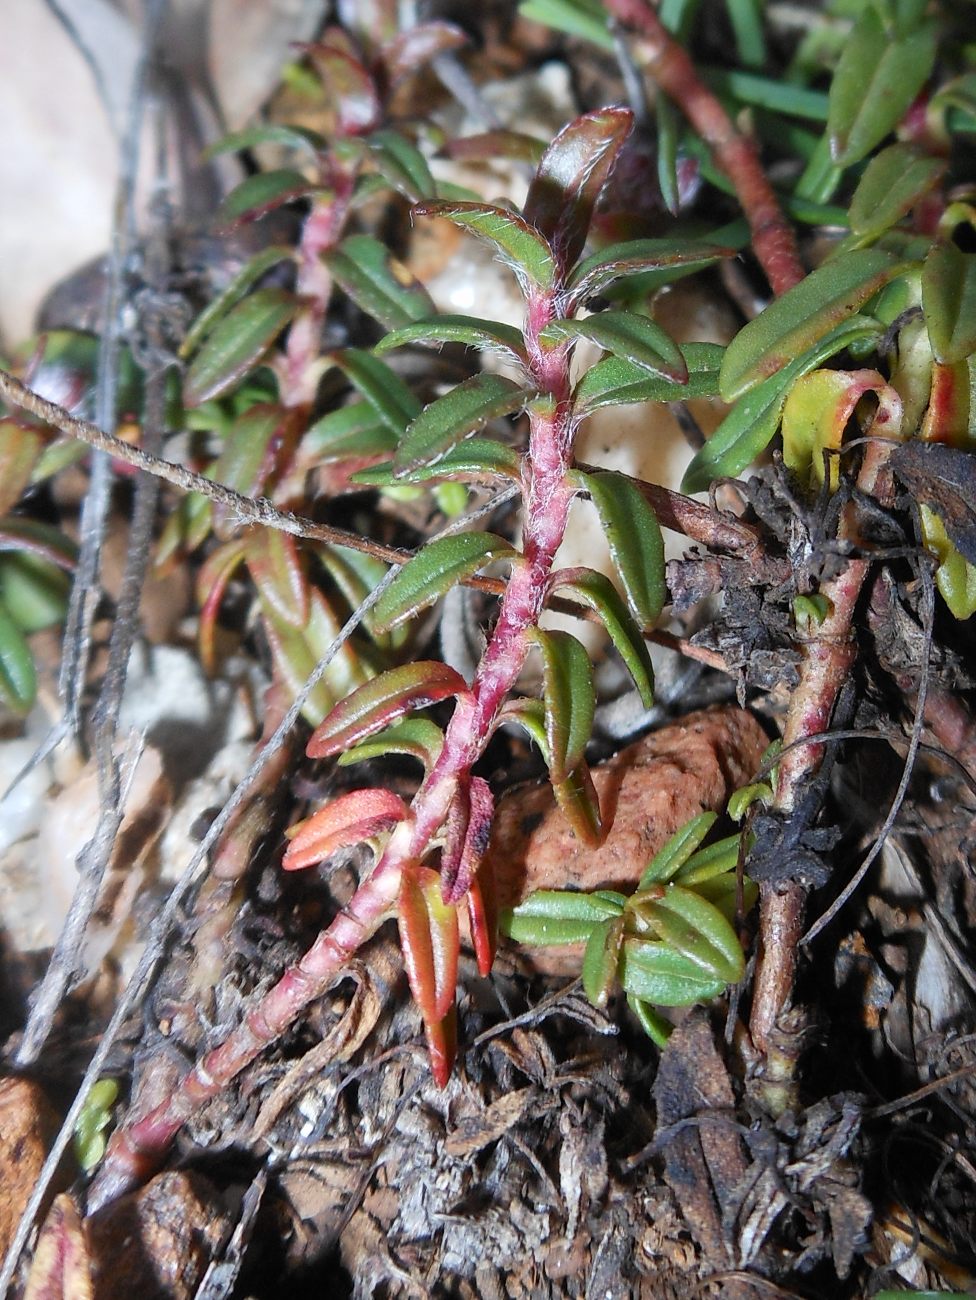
(140, 1146)
(773, 240)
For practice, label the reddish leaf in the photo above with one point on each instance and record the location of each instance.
(570, 177)
(345, 821)
(19, 450)
(442, 1047)
(468, 832)
(430, 940)
(212, 582)
(382, 701)
(347, 82)
(411, 49)
(483, 918)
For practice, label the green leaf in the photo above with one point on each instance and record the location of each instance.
(376, 282)
(775, 95)
(391, 399)
(453, 417)
(571, 173)
(699, 932)
(250, 273)
(522, 247)
(672, 856)
(354, 430)
(802, 316)
(34, 591)
(18, 677)
(475, 458)
(876, 81)
(654, 1026)
(634, 538)
(625, 334)
(434, 570)
(381, 702)
(260, 194)
(579, 803)
(949, 302)
(615, 382)
(248, 454)
(416, 737)
(598, 593)
(668, 133)
(402, 165)
(601, 958)
(596, 272)
(568, 697)
(238, 343)
(658, 974)
(470, 330)
(706, 864)
(893, 182)
(299, 137)
(551, 916)
(276, 569)
(752, 423)
(584, 18)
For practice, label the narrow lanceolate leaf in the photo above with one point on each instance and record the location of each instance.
(615, 382)
(453, 417)
(258, 195)
(417, 737)
(671, 856)
(658, 974)
(893, 182)
(381, 702)
(377, 282)
(469, 829)
(19, 451)
(434, 570)
(430, 942)
(486, 335)
(480, 459)
(348, 84)
(18, 677)
(248, 455)
(482, 905)
(597, 592)
(625, 334)
(519, 244)
(568, 697)
(876, 81)
(297, 137)
(570, 176)
(601, 959)
(596, 272)
(699, 932)
(402, 165)
(579, 803)
(347, 820)
(276, 568)
(250, 273)
(806, 313)
(635, 542)
(416, 46)
(353, 430)
(555, 917)
(949, 302)
(752, 423)
(238, 343)
(391, 399)
(718, 859)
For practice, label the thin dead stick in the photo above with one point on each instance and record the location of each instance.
(663, 58)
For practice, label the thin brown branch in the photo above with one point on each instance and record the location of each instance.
(663, 58)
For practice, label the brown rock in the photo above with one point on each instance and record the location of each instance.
(649, 789)
(27, 1123)
(157, 1242)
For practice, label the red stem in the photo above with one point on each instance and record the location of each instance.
(138, 1148)
(772, 236)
